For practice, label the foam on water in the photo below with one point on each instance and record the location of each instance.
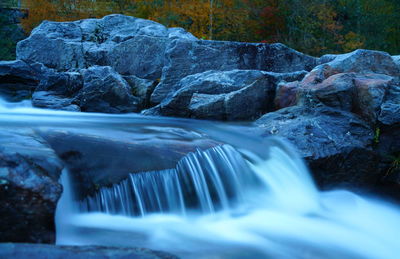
(250, 198)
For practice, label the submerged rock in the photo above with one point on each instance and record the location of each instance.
(78, 252)
(101, 157)
(29, 188)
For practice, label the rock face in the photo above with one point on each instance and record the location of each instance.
(225, 95)
(78, 252)
(18, 80)
(336, 144)
(187, 57)
(104, 90)
(130, 45)
(29, 188)
(360, 61)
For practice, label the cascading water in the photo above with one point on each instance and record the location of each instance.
(202, 181)
(248, 198)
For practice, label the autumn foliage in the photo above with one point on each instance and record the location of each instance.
(311, 26)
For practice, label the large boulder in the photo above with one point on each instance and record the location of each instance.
(336, 144)
(25, 251)
(29, 188)
(18, 80)
(104, 90)
(225, 95)
(186, 57)
(362, 94)
(130, 45)
(358, 61)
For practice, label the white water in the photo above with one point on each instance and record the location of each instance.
(279, 215)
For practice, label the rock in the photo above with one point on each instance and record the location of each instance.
(18, 80)
(396, 60)
(286, 94)
(65, 84)
(29, 188)
(78, 252)
(132, 46)
(371, 91)
(187, 57)
(224, 95)
(51, 100)
(104, 90)
(358, 61)
(359, 93)
(336, 144)
(103, 157)
(337, 91)
(141, 88)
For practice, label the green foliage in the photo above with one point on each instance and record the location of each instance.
(7, 43)
(377, 135)
(395, 165)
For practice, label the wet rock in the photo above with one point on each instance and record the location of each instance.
(78, 252)
(336, 144)
(50, 100)
(29, 188)
(104, 157)
(186, 57)
(104, 90)
(18, 80)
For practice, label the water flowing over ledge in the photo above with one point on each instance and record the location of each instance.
(248, 198)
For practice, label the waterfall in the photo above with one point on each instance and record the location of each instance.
(247, 198)
(225, 203)
(202, 181)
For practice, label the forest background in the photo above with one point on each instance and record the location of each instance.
(315, 27)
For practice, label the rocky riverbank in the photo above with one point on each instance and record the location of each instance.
(340, 111)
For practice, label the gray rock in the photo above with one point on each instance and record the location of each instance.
(371, 92)
(51, 100)
(358, 61)
(187, 57)
(336, 144)
(142, 88)
(132, 46)
(104, 90)
(396, 60)
(223, 95)
(103, 157)
(29, 188)
(65, 84)
(389, 112)
(26, 251)
(18, 80)
(286, 94)
(337, 91)
(359, 93)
